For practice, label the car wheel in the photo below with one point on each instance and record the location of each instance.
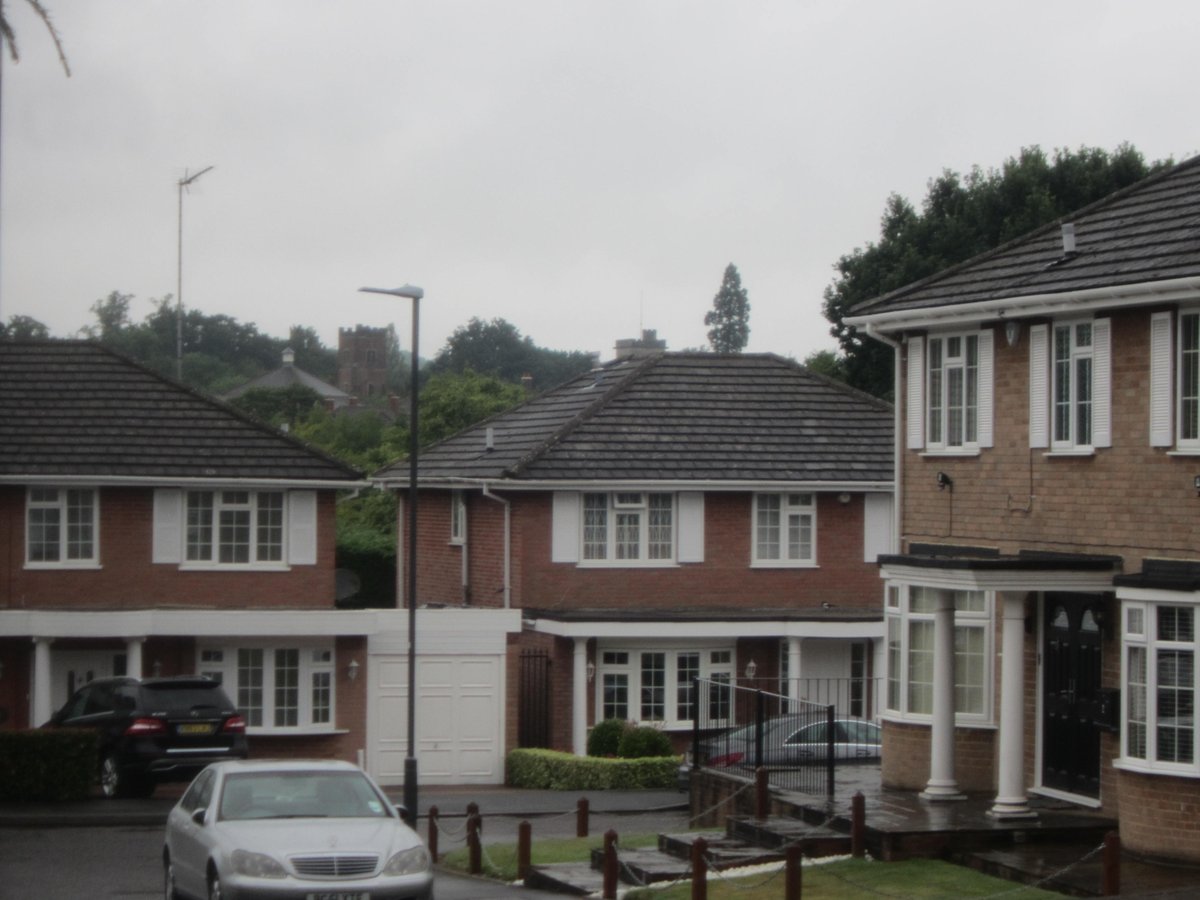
(169, 891)
(112, 783)
(214, 884)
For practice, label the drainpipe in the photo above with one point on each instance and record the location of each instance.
(897, 455)
(487, 492)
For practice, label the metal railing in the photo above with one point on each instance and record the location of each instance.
(798, 741)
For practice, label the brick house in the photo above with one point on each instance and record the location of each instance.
(147, 530)
(1041, 609)
(665, 516)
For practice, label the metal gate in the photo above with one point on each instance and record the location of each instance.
(533, 704)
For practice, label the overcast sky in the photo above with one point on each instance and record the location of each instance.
(581, 168)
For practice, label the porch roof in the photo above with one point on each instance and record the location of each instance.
(986, 569)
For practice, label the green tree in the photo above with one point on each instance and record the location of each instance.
(112, 317)
(23, 328)
(449, 403)
(827, 363)
(311, 354)
(729, 318)
(278, 406)
(497, 348)
(961, 217)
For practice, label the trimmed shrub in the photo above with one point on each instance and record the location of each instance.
(557, 771)
(605, 738)
(644, 741)
(42, 764)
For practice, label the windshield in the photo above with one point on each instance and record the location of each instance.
(310, 794)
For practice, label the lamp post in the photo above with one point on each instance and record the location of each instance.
(183, 182)
(413, 293)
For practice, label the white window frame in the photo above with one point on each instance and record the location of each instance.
(37, 497)
(1143, 663)
(973, 621)
(316, 688)
(223, 501)
(927, 395)
(605, 523)
(1045, 377)
(626, 664)
(1187, 379)
(794, 512)
(1066, 432)
(458, 518)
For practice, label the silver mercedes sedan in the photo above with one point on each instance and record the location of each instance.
(292, 830)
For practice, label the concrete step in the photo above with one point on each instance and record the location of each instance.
(574, 879)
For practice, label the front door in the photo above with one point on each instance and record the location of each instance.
(1070, 691)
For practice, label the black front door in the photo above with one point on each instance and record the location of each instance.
(1070, 691)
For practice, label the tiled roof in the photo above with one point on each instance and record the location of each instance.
(74, 408)
(678, 417)
(285, 377)
(1147, 232)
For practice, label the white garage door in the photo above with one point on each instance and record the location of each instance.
(460, 719)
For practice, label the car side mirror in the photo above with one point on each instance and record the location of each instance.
(198, 815)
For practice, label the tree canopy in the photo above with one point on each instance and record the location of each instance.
(729, 318)
(498, 348)
(961, 217)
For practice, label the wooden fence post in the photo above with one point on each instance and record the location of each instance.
(858, 826)
(1111, 881)
(610, 865)
(432, 841)
(581, 817)
(474, 845)
(793, 862)
(524, 844)
(699, 869)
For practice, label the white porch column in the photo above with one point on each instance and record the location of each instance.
(793, 658)
(133, 657)
(942, 784)
(579, 700)
(40, 709)
(1011, 800)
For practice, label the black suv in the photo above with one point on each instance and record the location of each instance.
(154, 729)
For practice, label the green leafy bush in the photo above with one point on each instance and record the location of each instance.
(644, 741)
(46, 765)
(605, 738)
(554, 770)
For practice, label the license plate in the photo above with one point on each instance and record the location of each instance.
(195, 728)
(339, 895)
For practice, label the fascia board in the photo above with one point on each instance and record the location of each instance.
(962, 579)
(162, 482)
(1177, 290)
(717, 629)
(708, 486)
(1157, 595)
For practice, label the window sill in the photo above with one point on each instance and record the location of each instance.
(63, 567)
(783, 564)
(1184, 451)
(300, 731)
(627, 564)
(1070, 454)
(979, 724)
(951, 451)
(234, 567)
(1164, 770)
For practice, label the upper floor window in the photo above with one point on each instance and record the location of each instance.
(953, 390)
(948, 394)
(458, 518)
(1175, 380)
(1070, 368)
(785, 529)
(1159, 699)
(628, 526)
(61, 527)
(235, 527)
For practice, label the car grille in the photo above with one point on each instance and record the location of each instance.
(336, 866)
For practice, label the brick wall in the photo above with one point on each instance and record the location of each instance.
(1160, 816)
(127, 579)
(905, 757)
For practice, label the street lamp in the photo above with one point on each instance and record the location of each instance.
(183, 182)
(414, 294)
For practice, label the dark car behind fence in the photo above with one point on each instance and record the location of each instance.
(798, 742)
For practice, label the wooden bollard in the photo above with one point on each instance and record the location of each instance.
(1111, 882)
(524, 842)
(699, 869)
(858, 826)
(472, 809)
(610, 866)
(432, 841)
(474, 845)
(581, 817)
(760, 793)
(793, 866)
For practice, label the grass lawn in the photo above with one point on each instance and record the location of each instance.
(845, 879)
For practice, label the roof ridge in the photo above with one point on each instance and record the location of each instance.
(1028, 237)
(583, 415)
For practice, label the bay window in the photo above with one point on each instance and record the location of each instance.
(1159, 714)
(655, 685)
(276, 687)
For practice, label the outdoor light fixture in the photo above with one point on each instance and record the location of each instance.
(413, 293)
(843, 498)
(352, 669)
(751, 669)
(1012, 332)
(945, 481)
(591, 672)
(1196, 483)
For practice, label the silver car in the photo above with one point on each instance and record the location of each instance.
(303, 829)
(792, 740)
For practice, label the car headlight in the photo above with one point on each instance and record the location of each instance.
(412, 861)
(257, 865)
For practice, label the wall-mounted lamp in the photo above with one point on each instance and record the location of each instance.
(751, 669)
(156, 669)
(352, 669)
(1196, 484)
(1012, 332)
(843, 498)
(945, 481)
(591, 672)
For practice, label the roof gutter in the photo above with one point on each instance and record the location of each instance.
(168, 481)
(1044, 304)
(507, 504)
(708, 485)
